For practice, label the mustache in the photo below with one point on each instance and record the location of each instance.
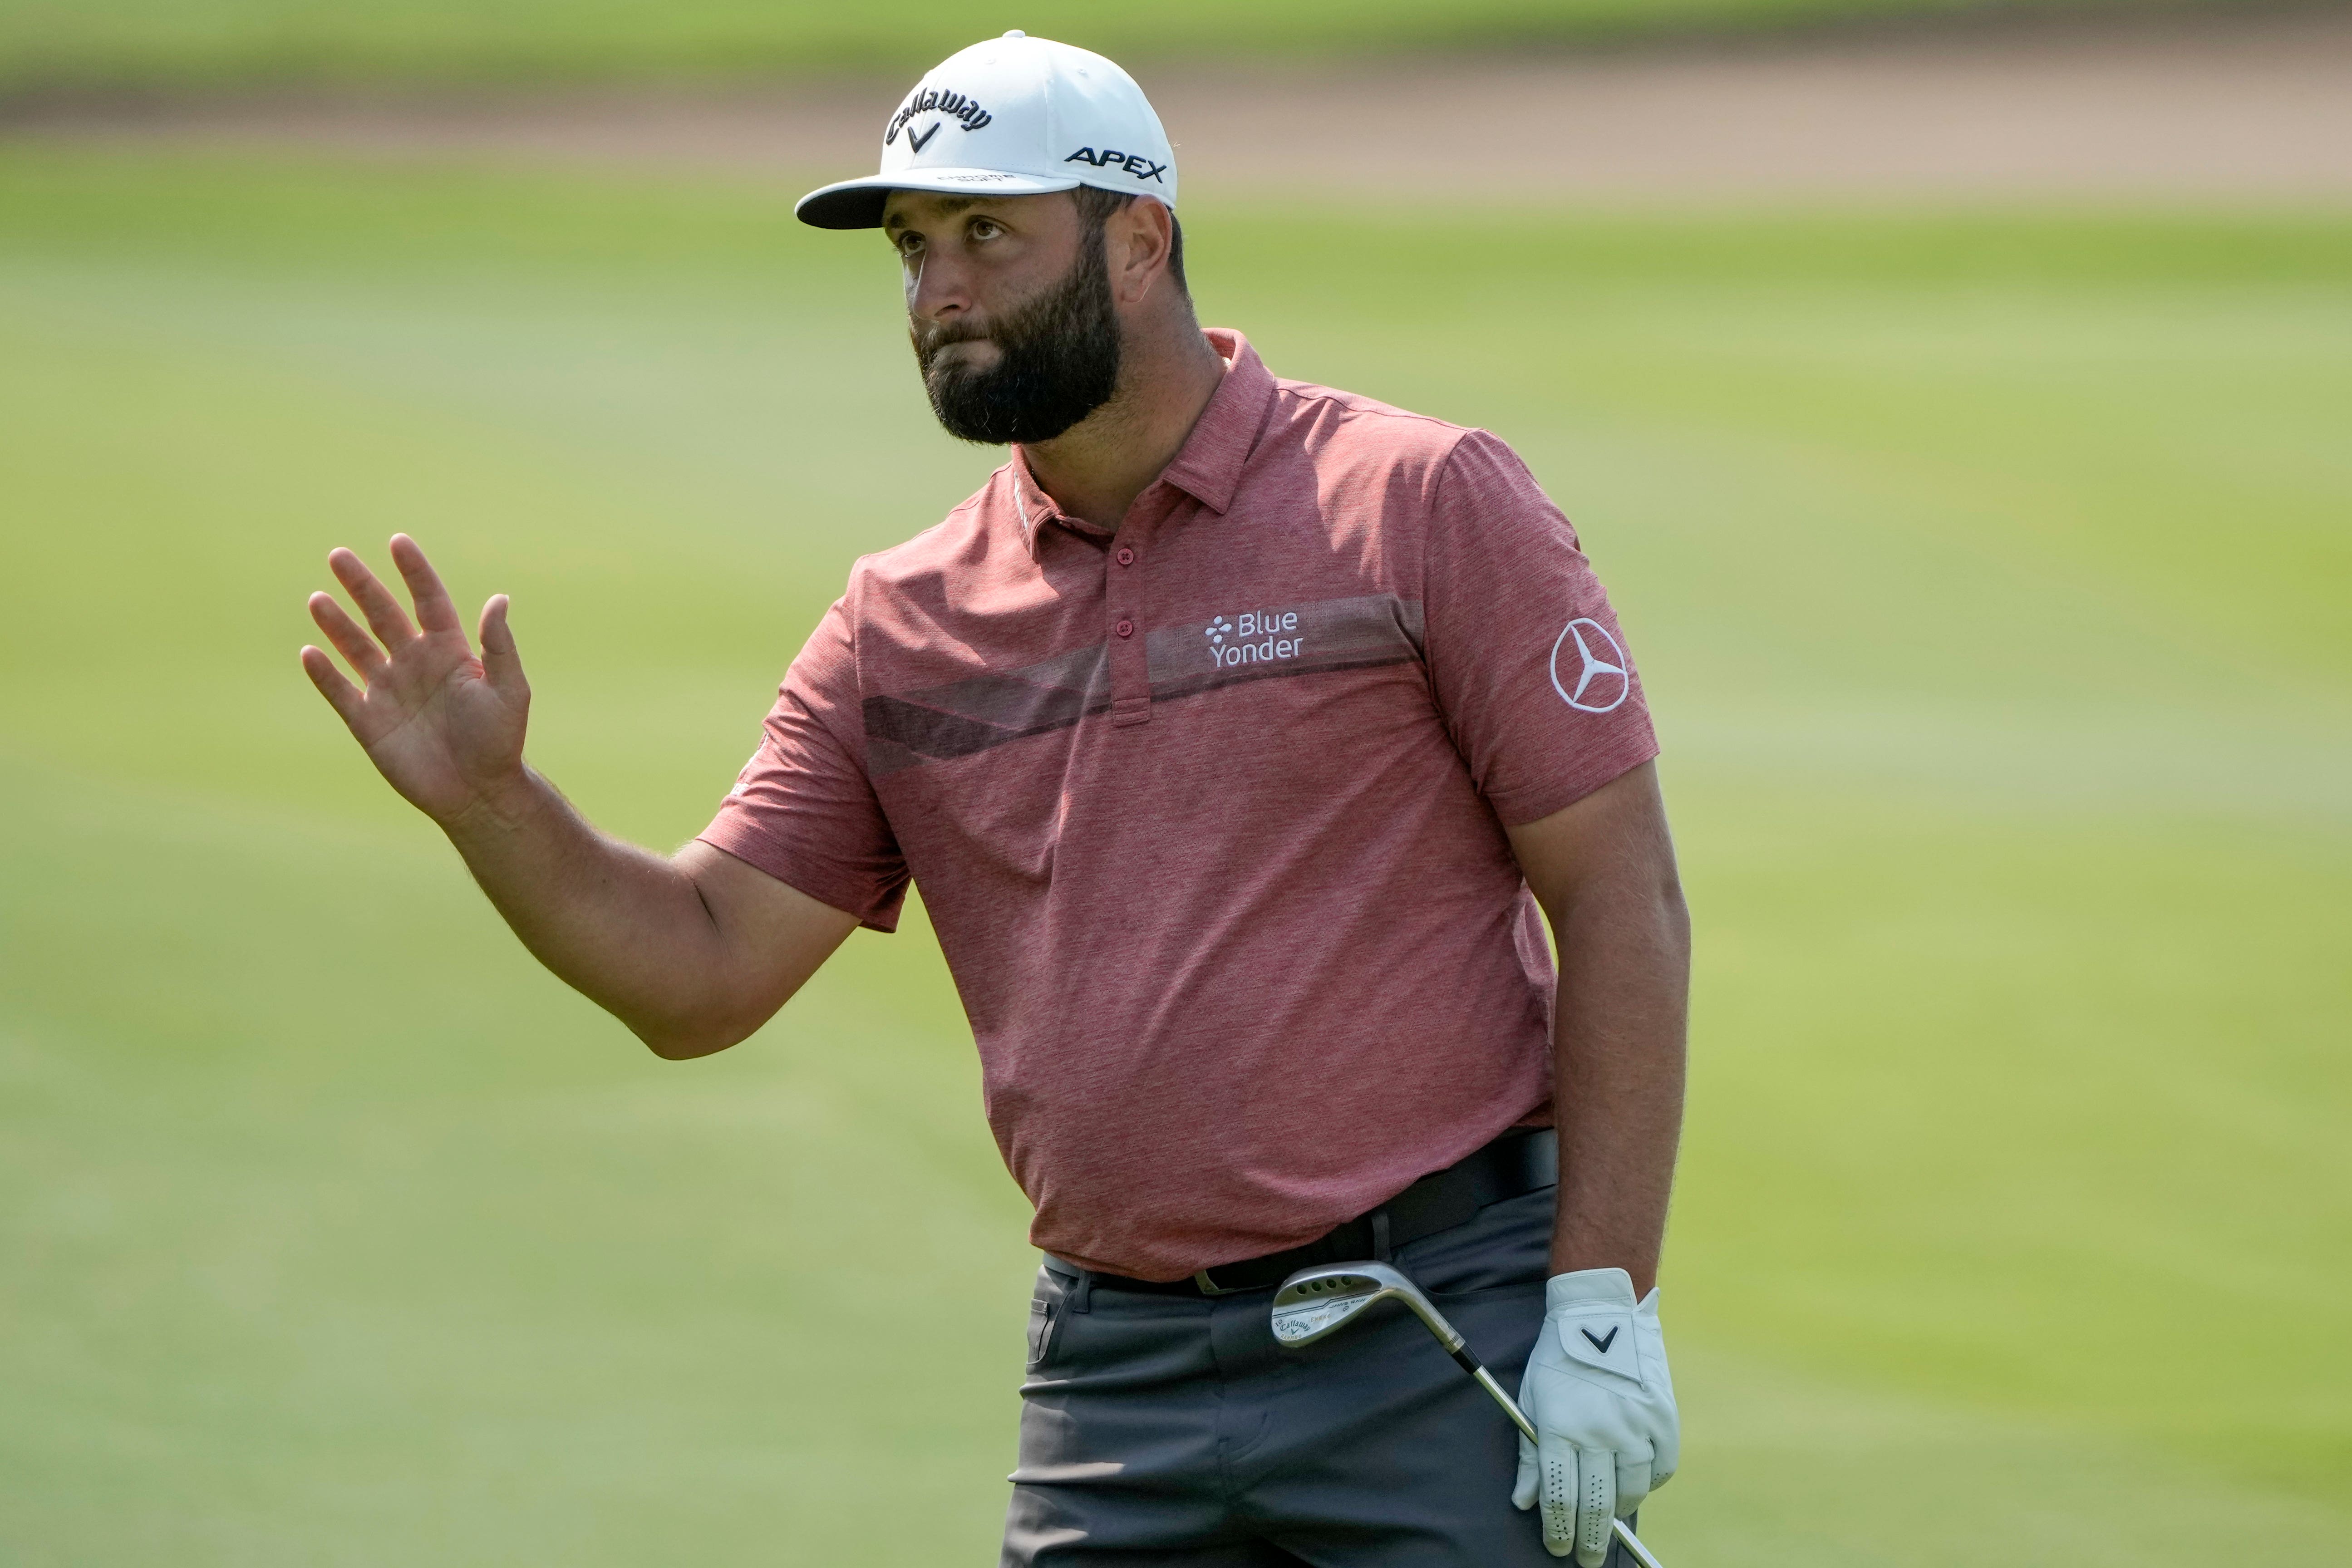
(932, 336)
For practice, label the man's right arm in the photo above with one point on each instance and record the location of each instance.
(692, 952)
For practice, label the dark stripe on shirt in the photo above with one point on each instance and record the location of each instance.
(981, 711)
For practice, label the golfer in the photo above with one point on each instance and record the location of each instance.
(1241, 733)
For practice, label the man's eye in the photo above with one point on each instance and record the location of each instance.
(909, 243)
(983, 229)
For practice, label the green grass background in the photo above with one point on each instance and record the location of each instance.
(194, 42)
(1988, 572)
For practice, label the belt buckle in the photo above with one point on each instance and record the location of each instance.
(1208, 1286)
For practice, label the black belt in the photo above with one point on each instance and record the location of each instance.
(1522, 1161)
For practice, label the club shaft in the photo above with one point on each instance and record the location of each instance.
(1527, 1428)
(1510, 1405)
(1632, 1543)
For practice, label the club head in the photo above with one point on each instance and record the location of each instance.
(1315, 1303)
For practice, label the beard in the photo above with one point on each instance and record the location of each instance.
(1057, 360)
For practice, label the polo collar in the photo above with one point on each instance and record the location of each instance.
(1033, 509)
(1208, 466)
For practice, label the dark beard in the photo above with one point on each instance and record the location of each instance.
(1057, 360)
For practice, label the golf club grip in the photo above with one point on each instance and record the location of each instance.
(1617, 1527)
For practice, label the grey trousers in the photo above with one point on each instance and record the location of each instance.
(1171, 1432)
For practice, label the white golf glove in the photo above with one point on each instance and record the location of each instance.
(1596, 1389)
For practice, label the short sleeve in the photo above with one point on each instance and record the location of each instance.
(1530, 667)
(803, 810)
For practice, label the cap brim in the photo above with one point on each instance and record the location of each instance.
(857, 203)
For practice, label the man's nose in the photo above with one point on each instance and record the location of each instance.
(937, 290)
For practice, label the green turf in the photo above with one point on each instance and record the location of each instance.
(1989, 576)
(192, 42)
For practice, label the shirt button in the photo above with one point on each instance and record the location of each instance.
(1126, 556)
(1126, 628)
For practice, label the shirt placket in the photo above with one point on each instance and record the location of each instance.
(1126, 566)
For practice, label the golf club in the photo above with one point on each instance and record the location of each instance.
(1315, 1303)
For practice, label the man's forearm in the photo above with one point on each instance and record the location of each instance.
(623, 926)
(1618, 1075)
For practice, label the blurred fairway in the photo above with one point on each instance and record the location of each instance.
(124, 42)
(1990, 576)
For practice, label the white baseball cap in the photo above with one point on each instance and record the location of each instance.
(1015, 116)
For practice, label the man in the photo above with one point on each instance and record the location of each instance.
(1237, 730)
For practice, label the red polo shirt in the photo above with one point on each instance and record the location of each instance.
(1208, 813)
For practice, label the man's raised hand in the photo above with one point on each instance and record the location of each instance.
(443, 726)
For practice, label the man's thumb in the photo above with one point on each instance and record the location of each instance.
(501, 665)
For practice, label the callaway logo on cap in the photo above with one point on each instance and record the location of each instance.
(1015, 116)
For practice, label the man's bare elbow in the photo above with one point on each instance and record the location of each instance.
(683, 1045)
(685, 1042)
(1672, 904)
(684, 1039)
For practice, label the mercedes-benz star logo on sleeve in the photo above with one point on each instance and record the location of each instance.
(1596, 681)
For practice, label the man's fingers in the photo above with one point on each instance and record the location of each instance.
(1558, 1461)
(385, 617)
(1633, 1485)
(435, 613)
(340, 693)
(1525, 1486)
(501, 664)
(358, 649)
(1596, 1504)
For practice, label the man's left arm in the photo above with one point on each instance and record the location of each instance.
(1532, 676)
(1603, 871)
(1596, 1387)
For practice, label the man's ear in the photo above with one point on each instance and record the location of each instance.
(1141, 235)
